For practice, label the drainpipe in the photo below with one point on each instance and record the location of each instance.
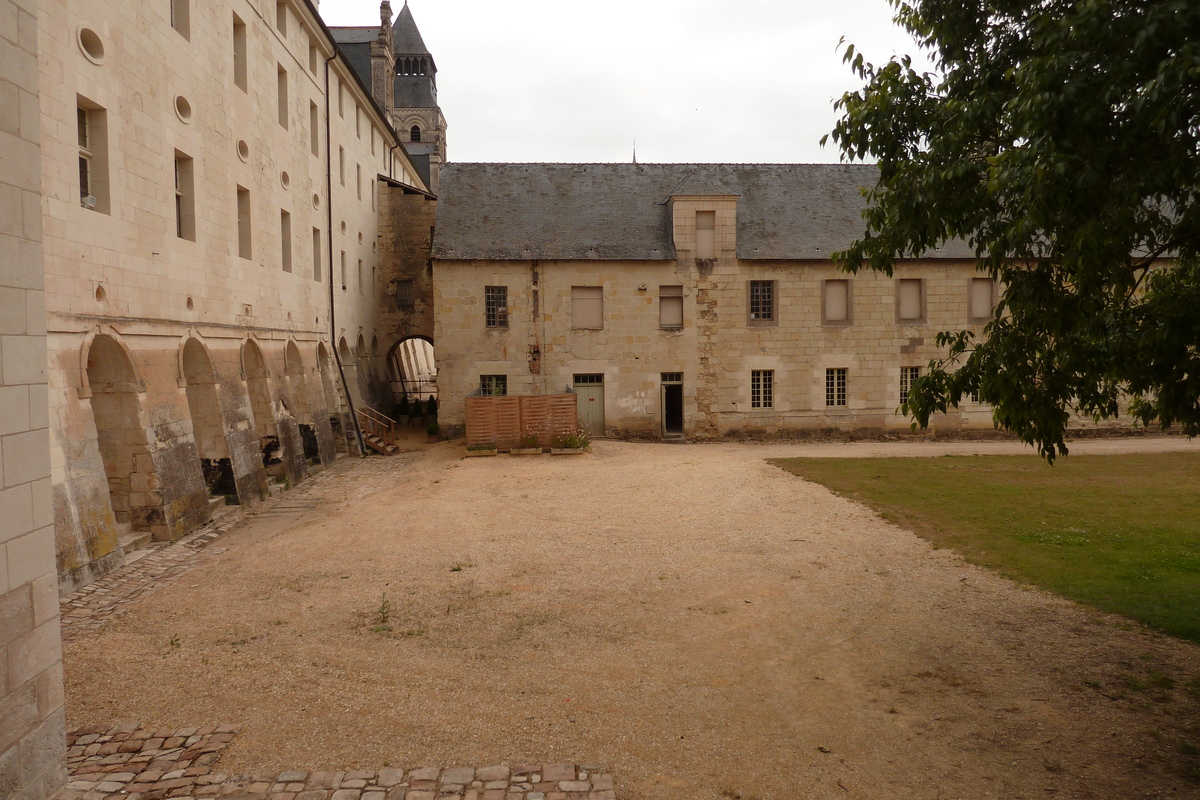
(337, 356)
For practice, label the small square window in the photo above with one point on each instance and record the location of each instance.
(495, 306)
(587, 307)
(706, 235)
(762, 388)
(983, 298)
(907, 376)
(835, 386)
(670, 307)
(835, 301)
(404, 294)
(493, 385)
(910, 300)
(762, 301)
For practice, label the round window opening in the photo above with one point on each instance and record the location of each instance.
(101, 295)
(183, 108)
(316, 201)
(243, 150)
(91, 44)
(285, 179)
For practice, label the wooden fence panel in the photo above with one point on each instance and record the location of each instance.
(505, 420)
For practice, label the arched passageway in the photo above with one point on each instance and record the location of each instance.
(293, 366)
(412, 369)
(124, 448)
(208, 426)
(265, 426)
(350, 370)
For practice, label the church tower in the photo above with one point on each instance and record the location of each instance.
(416, 114)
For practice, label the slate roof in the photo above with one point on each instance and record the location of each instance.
(357, 55)
(621, 211)
(406, 39)
(355, 35)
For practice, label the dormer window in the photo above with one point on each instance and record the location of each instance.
(414, 135)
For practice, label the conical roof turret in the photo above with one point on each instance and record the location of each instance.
(406, 39)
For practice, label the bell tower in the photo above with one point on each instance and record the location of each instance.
(416, 114)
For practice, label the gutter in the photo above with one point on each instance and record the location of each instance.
(337, 356)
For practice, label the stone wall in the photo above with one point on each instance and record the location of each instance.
(32, 743)
(265, 243)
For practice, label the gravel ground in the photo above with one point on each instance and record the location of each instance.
(701, 622)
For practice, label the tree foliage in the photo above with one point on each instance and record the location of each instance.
(1061, 140)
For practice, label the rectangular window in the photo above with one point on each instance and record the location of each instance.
(342, 267)
(314, 57)
(281, 18)
(314, 127)
(587, 307)
(907, 376)
(495, 306)
(316, 261)
(181, 18)
(493, 385)
(706, 234)
(243, 223)
(404, 294)
(835, 301)
(358, 180)
(92, 122)
(910, 299)
(357, 121)
(342, 164)
(983, 298)
(762, 301)
(285, 240)
(185, 198)
(239, 53)
(283, 97)
(373, 140)
(762, 388)
(359, 277)
(341, 100)
(670, 306)
(372, 195)
(835, 386)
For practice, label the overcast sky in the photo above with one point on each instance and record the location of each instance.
(689, 80)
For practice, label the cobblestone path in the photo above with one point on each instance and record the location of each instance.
(128, 762)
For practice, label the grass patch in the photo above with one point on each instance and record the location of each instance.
(1117, 532)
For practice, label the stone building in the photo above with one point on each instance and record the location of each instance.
(692, 301)
(214, 176)
(32, 744)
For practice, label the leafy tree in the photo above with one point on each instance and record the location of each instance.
(1061, 140)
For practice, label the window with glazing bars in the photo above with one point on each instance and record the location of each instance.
(495, 306)
(762, 300)
(835, 386)
(762, 388)
(907, 376)
(493, 385)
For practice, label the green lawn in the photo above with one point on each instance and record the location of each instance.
(1121, 533)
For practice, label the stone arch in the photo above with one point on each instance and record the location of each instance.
(208, 425)
(328, 388)
(412, 368)
(350, 370)
(133, 485)
(293, 368)
(85, 349)
(362, 368)
(254, 369)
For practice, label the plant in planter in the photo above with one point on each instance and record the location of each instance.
(403, 410)
(574, 442)
(482, 449)
(527, 445)
(432, 430)
(431, 409)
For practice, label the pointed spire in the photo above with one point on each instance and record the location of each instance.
(406, 38)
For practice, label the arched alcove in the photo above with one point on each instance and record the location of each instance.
(124, 448)
(208, 426)
(293, 366)
(265, 427)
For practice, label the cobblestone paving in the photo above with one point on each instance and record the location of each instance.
(129, 762)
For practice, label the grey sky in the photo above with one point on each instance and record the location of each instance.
(690, 80)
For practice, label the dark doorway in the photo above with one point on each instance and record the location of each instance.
(672, 403)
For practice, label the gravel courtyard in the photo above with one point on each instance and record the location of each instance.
(700, 622)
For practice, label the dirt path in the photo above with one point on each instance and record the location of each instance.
(701, 622)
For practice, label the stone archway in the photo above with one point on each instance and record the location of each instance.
(133, 485)
(350, 369)
(412, 368)
(293, 368)
(208, 426)
(266, 428)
